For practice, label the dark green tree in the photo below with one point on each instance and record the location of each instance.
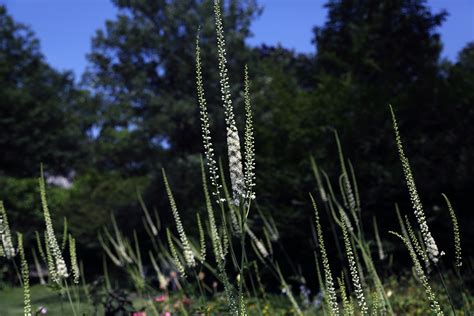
(143, 64)
(451, 147)
(392, 43)
(385, 52)
(388, 52)
(43, 116)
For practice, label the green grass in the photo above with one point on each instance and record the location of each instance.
(11, 302)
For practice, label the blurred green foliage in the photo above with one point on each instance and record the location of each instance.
(44, 116)
(407, 298)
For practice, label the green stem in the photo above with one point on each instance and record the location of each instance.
(445, 288)
(70, 299)
(18, 275)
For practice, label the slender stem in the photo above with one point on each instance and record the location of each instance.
(70, 299)
(243, 226)
(461, 285)
(445, 288)
(254, 290)
(18, 275)
(199, 283)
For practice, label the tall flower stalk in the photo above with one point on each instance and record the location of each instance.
(348, 193)
(25, 276)
(6, 244)
(242, 182)
(202, 239)
(174, 253)
(457, 234)
(187, 251)
(435, 307)
(218, 247)
(416, 245)
(262, 250)
(73, 257)
(381, 252)
(249, 142)
(330, 289)
(355, 276)
(205, 128)
(52, 243)
(233, 140)
(347, 306)
(215, 239)
(432, 248)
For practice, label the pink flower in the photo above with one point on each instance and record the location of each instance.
(161, 298)
(166, 314)
(138, 314)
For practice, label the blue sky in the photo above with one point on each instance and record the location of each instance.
(65, 27)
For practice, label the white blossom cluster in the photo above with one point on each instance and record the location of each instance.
(353, 268)
(346, 220)
(51, 241)
(242, 175)
(233, 140)
(205, 128)
(416, 245)
(457, 234)
(331, 291)
(434, 304)
(249, 147)
(74, 263)
(431, 247)
(25, 276)
(381, 252)
(258, 243)
(187, 251)
(162, 280)
(174, 253)
(6, 244)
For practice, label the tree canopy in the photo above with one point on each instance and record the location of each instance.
(142, 63)
(44, 117)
